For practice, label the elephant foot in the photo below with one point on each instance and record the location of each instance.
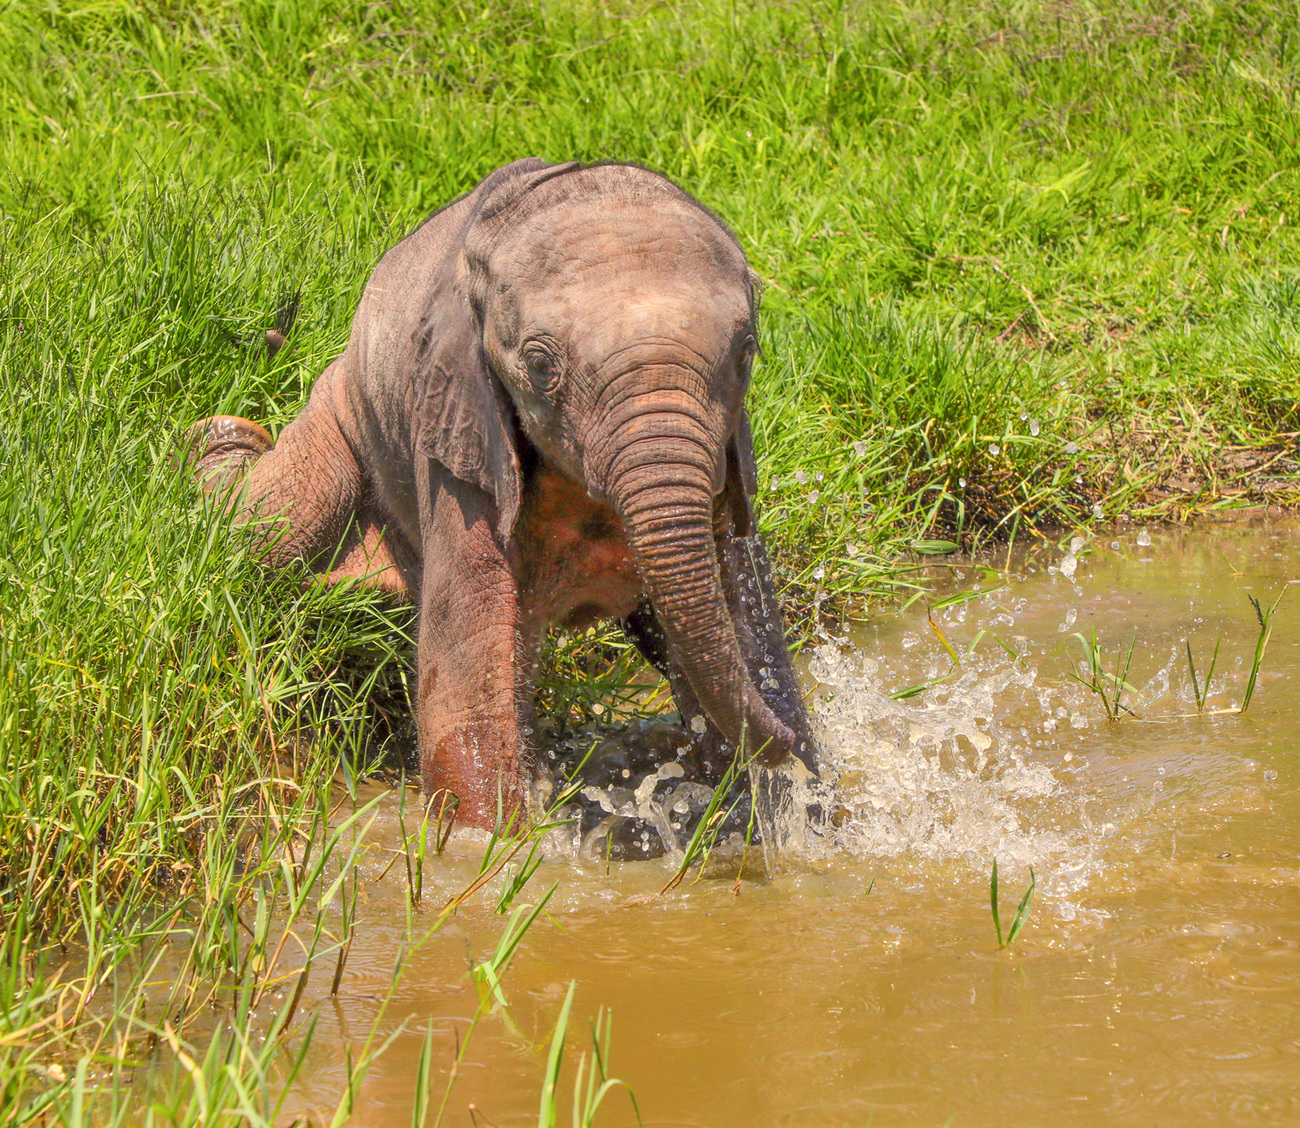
(223, 446)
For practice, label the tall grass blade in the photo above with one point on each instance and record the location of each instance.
(423, 1081)
(1201, 692)
(1022, 910)
(546, 1115)
(1265, 619)
(993, 902)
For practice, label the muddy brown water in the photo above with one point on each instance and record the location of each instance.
(1157, 981)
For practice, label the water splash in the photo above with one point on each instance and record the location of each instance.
(951, 777)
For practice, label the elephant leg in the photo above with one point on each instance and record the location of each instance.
(756, 616)
(306, 488)
(223, 447)
(471, 698)
(368, 556)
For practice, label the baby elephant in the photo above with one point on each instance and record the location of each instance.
(539, 418)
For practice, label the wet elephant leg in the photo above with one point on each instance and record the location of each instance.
(470, 696)
(756, 614)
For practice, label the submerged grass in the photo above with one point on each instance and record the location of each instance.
(1024, 266)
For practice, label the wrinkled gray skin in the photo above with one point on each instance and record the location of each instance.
(539, 418)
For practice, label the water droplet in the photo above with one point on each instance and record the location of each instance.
(626, 773)
(1270, 774)
(819, 573)
(1144, 539)
(774, 484)
(1034, 427)
(1071, 447)
(851, 549)
(1114, 546)
(1070, 616)
(814, 497)
(859, 448)
(698, 723)
(598, 708)
(994, 448)
(801, 477)
(961, 482)
(819, 476)
(1097, 510)
(1023, 416)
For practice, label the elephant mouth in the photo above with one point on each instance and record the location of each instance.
(585, 615)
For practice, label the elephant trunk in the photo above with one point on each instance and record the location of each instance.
(662, 485)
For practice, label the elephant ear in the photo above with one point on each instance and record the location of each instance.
(465, 419)
(742, 478)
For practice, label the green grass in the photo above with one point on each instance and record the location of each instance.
(1108, 685)
(1023, 264)
(1022, 909)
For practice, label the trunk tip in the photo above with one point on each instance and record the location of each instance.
(778, 746)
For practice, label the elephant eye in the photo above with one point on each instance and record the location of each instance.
(543, 371)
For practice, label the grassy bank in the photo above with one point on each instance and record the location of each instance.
(1023, 266)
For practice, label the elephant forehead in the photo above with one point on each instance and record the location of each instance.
(603, 237)
(602, 318)
(626, 317)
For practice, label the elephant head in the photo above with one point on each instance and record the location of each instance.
(601, 319)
